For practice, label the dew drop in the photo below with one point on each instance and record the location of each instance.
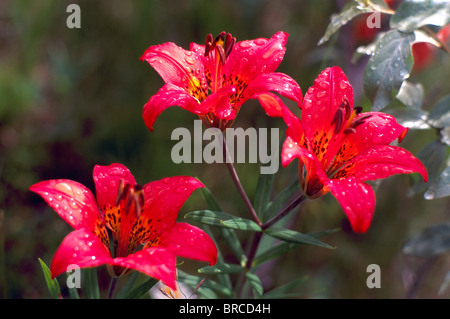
(343, 84)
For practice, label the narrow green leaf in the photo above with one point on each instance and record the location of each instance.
(52, 284)
(221, 219)
(281, 199)
(295, 237)
(413, 14)
(221, 269)
(193, 281)
(140, 290)
(91, 283)
(349, 11)
(263, 190)
(430, 242)
(284, 291)
(283, 247)
(210, 200)
(128, 285)
(255, 283)
(388, 67)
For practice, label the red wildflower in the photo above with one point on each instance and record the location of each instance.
(215, 79)
(141, 222)
(339, 148)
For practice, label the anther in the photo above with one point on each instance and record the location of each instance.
(337, 120)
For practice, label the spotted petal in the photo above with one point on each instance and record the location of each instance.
(82, 248)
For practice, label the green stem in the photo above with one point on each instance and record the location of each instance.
(297, 200)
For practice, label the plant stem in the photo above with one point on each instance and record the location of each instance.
(112, 287)
(229, 162)
(299, 197)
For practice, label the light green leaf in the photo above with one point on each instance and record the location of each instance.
(52, 284)
(413, 14)
(91, 283)
(221, 219)
(221, 269)
(388, 67)
(193, 282)
(411, 94)
(414, 119)
(295, 237)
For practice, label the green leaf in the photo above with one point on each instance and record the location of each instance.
(440, 188)
(283, 247)
(439, 116)
(284, 291)
(255, 283)
(349, 11)
(263, 190)
(221, 269)
(411, 94)
(414, 119)
(282, 198)
(388, 67)
(295, 237)
(52, 284)
(91, 283)
(193, 282)
(431, 242)
(228, 234)
(140, 290)
(221, 219)
(413, 14)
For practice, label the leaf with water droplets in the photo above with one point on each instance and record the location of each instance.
(439, 116)
(411, 15)
(349, 11)
(431, 242)
(295, 237)
(221, 269)
(388, 67)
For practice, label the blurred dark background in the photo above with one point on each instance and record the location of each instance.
(73, 98)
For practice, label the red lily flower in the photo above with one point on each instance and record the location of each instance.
(339, 148)
(134, 216)
(215, 79)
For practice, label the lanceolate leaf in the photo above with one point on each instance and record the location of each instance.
(221, 269)
(413, 14)
(295, 237)
(221, 219)
(350, 11)
(52, 284)
(388, 67)
(263, 191)
(255, 283)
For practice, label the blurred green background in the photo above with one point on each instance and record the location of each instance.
(73, 98)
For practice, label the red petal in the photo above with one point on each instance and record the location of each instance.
(190, 242)
(170, 95)
(164, 199)
(82, 248)
(176, 66)
(371, 128)
(250, 58)
(382, 161)
(218, 103)
(356, 199)
(107, 179)
(154, 262)
(71, 200)
(323, 100)
(277, 82)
